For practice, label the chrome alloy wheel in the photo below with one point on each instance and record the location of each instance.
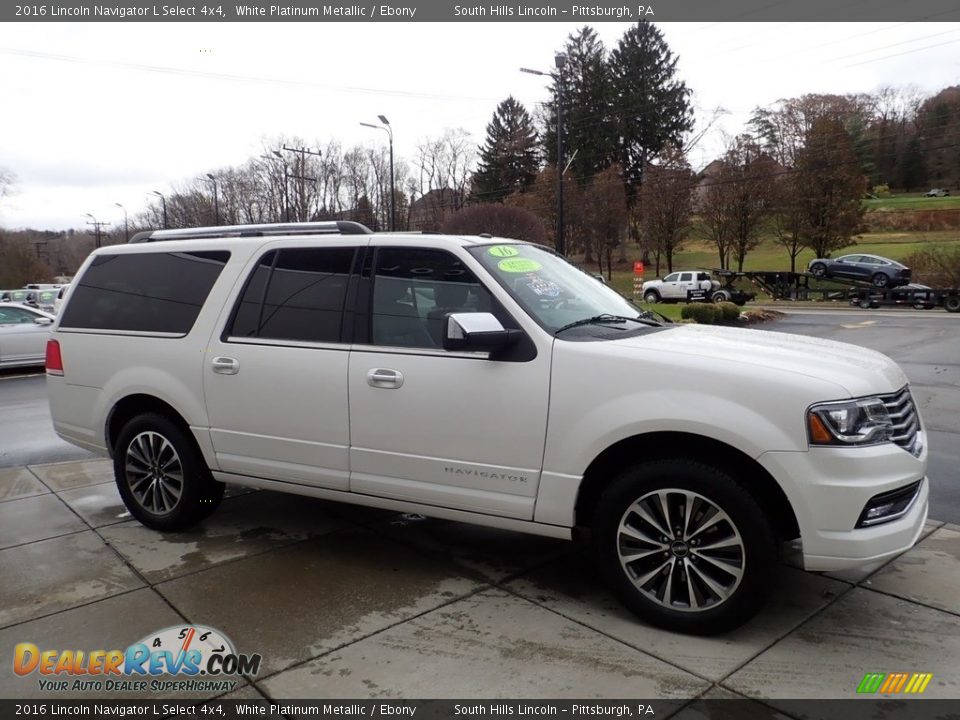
(681, 550)
(154, 473)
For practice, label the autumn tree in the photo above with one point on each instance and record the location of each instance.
(938, 121)
(668, 204)
(497, 220)
(509, 157)
(605, 215)
(830, 185)
(745, 189)
(541, 199)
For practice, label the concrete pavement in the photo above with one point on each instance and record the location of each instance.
(349, 602)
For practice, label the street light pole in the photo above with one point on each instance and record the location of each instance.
(126, 224)
(216, 202)
(560, 59)
(393, 191)
(164, 201)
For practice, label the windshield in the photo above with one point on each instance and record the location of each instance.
(551, 290)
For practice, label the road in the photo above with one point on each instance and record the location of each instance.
(926, 344)
(26, 434)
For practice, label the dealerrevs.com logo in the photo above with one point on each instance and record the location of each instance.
(178, 658)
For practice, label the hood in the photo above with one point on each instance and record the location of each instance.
(858, 370)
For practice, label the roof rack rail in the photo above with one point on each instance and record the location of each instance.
(330, 227)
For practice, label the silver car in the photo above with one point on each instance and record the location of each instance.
(23, 335)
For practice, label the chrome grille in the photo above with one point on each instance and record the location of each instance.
(906, 422)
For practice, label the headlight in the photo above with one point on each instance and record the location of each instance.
(864, 421)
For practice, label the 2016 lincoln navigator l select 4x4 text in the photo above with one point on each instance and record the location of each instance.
(489, 381)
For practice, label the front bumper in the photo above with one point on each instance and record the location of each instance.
(828, 489)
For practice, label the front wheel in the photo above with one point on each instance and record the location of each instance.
(880, 280)
(651, 297)
(952, 303)
(684, 546)
(818, 270)
(161, 475)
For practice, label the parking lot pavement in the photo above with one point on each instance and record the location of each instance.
(349, 602)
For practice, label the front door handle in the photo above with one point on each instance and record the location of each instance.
(225, 365)
(384, 378)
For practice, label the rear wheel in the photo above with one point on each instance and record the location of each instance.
(720, 296)
(684, 546)
(161, 475)
(880, 280)
(651, 296)
(952, 303)
(819, 270)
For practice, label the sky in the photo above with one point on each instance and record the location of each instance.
(101, 113)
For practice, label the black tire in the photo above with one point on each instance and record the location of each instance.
(745, 521)
(720, 296)
(818, 270)
(651, 296)
(952, 303)
(880, 280)
(148, 451)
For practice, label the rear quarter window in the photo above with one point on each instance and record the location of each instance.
(143, 292)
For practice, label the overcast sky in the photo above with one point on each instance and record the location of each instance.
(97, 114)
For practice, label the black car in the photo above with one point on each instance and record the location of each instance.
(880, 272)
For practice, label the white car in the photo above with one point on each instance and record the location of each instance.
(61, 297)
(487, 381)
(23, 335)
(675, 286)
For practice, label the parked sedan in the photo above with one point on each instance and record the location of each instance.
(880, 272)
(23, 335)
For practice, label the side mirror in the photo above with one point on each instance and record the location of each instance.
(43, 321)
(476, 331)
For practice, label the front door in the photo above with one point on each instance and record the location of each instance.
(449, 429)
(276, 380)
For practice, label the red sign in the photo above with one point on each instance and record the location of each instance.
(638, 268)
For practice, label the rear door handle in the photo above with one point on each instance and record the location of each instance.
(384, 378)
(225, 366)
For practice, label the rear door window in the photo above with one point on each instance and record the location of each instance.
(295, 294)
(143, 292)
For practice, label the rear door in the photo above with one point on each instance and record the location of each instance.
(670, 288)
(275, 380)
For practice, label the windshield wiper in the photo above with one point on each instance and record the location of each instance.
(605, 318)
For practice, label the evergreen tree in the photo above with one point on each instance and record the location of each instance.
(589, 132)
(508, 158)
(651, 104)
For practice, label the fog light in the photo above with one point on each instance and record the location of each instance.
(889, 506)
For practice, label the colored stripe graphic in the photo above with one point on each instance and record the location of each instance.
(871, 682)
(893, 683)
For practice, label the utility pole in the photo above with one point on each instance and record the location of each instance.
(560, 59)
(216, 202)
(96, 227)
(300, 174)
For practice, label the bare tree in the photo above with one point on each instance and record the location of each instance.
(667, 204)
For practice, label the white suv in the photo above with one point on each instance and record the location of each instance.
(488, 381)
